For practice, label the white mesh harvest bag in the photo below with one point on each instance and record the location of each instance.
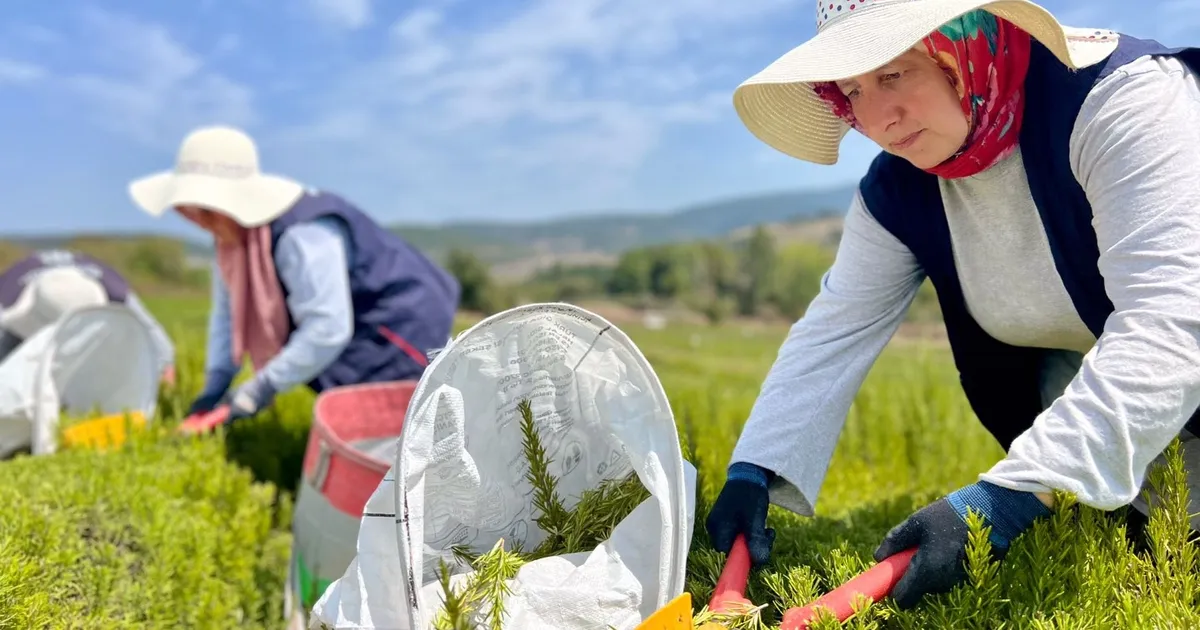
(459, 479)
(98, 358)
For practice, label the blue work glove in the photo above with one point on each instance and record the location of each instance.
(741, 508)
(216, 383)
(939, 530)
(252, 397)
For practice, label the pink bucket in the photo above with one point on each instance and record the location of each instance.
(352, 427)
(352, 444)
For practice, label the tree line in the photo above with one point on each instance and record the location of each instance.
(151, 264)
(754, 277)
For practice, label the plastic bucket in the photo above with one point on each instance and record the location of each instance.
(351, 446)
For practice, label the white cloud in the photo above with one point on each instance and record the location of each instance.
(154, 88)
(13, 71)
(568, 96)
(415, 34)
(347, 14)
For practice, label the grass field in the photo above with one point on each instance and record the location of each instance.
(194, 534)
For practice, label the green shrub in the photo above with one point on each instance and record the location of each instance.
(160, 534)
(176, 533)
(909, 439)
(271, 445)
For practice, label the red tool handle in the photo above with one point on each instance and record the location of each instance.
(875, 583)
(731, 586)
(200, 422)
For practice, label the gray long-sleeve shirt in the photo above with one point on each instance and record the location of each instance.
(1134, 150)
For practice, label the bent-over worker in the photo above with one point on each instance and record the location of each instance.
(39, 289)
(1044, 179)
(307, 285)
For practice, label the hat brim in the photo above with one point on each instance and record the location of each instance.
(779, 106)
(251, 201)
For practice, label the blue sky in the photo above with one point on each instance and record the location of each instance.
(502, 109)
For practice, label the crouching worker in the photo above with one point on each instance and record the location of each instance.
(307, 285)
(1043, 179)
(38, 290)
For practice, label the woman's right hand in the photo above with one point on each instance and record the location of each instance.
(205, 402)
(741, 508)
(216, 384)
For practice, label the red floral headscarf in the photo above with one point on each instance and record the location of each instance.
(986, 59)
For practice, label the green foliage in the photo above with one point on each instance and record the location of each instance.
(801, 267)
(754, 277)
(479, 292)
(909, 439)
(149, 263)
(925, 306)
(551, 510)
(270, 445)
(663, 271)
(161, 534)
(632, 273)
(175, 533)
(164, 260)
(759, 270)
(482, 594)
(763, 275)
(568, 530)
(561, 283)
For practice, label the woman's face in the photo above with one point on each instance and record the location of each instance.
(223, 228)
(910, 108)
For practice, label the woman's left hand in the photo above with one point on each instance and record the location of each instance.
(250, 398)
(939, 531)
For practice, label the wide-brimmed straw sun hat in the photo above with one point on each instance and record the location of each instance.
(854, 37)
(217, 168)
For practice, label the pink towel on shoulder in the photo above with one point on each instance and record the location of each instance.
(256, 304)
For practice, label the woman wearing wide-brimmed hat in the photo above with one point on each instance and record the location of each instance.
(1045, 179)
(308, 286)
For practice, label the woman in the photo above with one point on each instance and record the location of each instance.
(305, 284)
(1043, 178)
(37, 290)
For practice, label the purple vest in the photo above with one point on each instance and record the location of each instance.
(14, 279)
(404, 304)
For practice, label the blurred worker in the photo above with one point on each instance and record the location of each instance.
(36, 291)
(305, 283)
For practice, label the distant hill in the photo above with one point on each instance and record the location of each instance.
(516, 249)
(824, 231)
(612, 233)
(196, 248)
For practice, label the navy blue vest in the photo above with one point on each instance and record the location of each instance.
(404, 304)
(1001, 380)
(16, 277)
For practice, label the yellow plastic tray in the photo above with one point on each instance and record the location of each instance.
(104, 431)
(676, 615)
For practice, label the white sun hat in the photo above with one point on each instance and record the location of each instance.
(217, 168)
(50, 294)
(854, 37)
